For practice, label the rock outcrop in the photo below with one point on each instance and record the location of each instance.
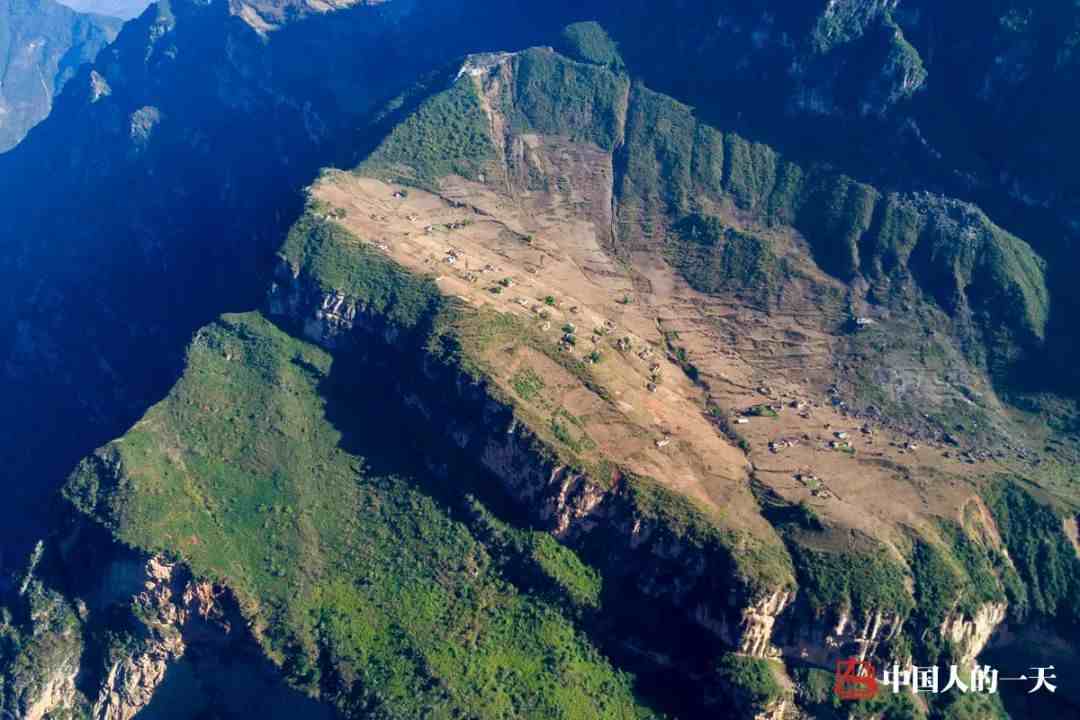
(56, 692)
(41, 681)
(131, 681)
(822, 638)
(970, 635)
(170, 601)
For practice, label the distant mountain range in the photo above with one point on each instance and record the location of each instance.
(123, 9)
(42, 44)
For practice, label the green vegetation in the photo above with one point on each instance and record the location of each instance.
(887, 706)
(672, 162)
(844, 24)
(762, 411)
(750, 171)
(527, 384)
(715, 258)
(938, 586)
(589, 42)
(658, 161)
(817, 696)
(750, 681)
(538, 563)
(328, 254)
(982, 566)
(570, 431)
(972, 706)
(860, 580)
(1045, 560)
(580, 582)
(837, 212)
(40, 640)
(906, 61)
(362, 584)
(762, 566)
(816, 685)
(556, 96)
(447, 135)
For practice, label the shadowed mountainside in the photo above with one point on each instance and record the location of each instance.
(107, 274)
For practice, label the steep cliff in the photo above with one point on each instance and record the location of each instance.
(42, 655)
(108, 634)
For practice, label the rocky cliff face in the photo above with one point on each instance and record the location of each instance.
(143, 632)
(971, 635)
(696, 578)
(55, 692)
(169, 603)
(48, 646)
(170, 607)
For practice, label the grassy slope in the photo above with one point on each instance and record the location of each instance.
(673, 164)
(555, 96)
(715, 258)
(447, 134)
(354, 576)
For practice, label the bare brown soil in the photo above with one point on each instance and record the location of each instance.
(536, 242)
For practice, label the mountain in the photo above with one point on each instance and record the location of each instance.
(967, 99)
(43, 44)
(504, 328)
(195, 105)
(515, 385)
(123, 9)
